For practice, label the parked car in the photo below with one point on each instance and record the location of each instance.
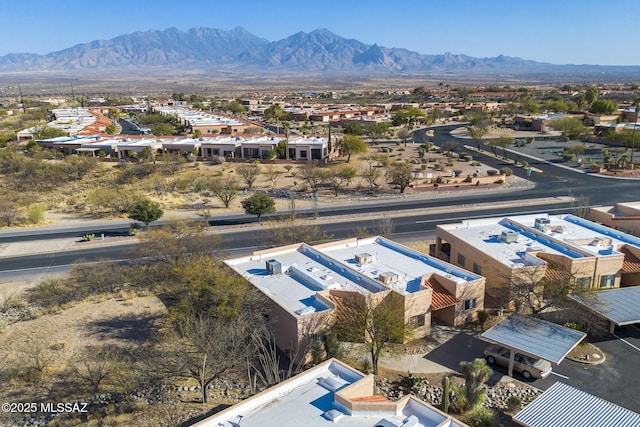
(527, 366)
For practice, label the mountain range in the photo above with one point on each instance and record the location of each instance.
(237, 50)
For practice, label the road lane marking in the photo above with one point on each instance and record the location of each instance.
(560, 375)
(627, 342)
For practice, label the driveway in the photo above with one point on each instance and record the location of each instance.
(616, 380)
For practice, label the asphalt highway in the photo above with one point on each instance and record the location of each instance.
(409, 227)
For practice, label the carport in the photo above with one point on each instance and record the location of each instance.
(563, 405)
(620, 306)
(534, 337)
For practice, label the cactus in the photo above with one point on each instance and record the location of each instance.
(446, 389)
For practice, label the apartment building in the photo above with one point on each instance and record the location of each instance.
(621, 216)
(506, 249)
(308, 285)
(331, 392)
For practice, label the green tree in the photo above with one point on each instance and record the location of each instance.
(477, 133)
(47, 132)
(111, 129)
(404, 135)
(353, 129)
(580, 100)
(146, 212)
(408, 116)
(352, 144)
(569, 127)
(400, 174)
(501, 142)
(162, 129)
(259, 204)
(591, 95)
(475, 374)
(375, 130)
(603, 106)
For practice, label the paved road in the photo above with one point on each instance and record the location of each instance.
(406, 228)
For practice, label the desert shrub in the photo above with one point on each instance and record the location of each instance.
(492, 172)
(35, 214)
(514, 403)
(506, 171)
(481, 417)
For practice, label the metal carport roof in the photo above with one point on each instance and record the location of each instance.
(566, 406)
(535, 337)
(620, 305)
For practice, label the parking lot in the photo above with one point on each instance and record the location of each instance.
(616, 380)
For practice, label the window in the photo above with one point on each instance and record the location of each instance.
(303, 154)
(470, 304)
(607, 280)
(461, 260)
(583, 282)
(477, 269)
(416, 321)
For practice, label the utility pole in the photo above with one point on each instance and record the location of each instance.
(21, 99)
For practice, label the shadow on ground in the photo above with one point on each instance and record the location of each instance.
(139, 327)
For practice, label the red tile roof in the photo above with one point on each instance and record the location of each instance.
(441, 298)
(631, 263)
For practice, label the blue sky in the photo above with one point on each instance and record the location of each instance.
(555, 31)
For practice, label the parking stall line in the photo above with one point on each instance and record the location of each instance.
(627, 342)
(560, 375)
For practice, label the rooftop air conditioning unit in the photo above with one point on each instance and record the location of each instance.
(509, 236)
(388, 277)
(364, 258)
(541, 223)
(273, 266)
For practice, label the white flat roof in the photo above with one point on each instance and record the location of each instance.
(389, 256)
(306, 270)
(567, 406)
(308, 399)
(535, 337)
(567, 235)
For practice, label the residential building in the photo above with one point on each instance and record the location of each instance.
(308, 286)
(507, 249)
(331, 392)
(622, 216)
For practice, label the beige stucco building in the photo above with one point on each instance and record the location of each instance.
(505, 250)
(308, 286)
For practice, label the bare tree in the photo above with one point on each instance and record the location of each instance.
(9, 213)
(400, 174)
(225, 190)
(384, 227)
(288, 230)
(96, 365)
(273, 174)
(249, 173)
(376, 323)
(206, 348)
(371, 173)
(313, 175)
